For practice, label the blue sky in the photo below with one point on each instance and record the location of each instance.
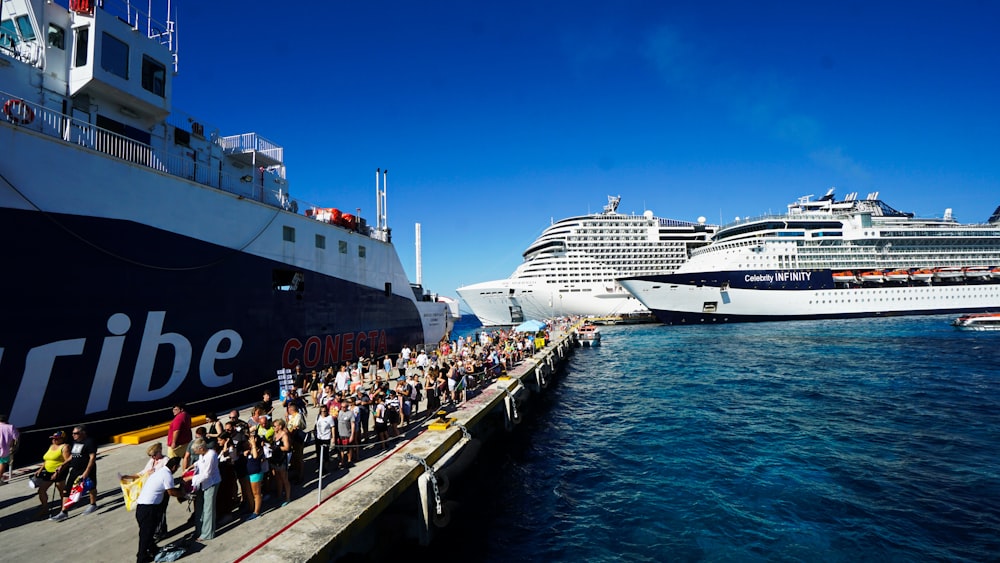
(495, 118)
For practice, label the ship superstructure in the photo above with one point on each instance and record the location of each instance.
(827, 259)
(573, 266)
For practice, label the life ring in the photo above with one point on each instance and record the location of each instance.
(18, 112)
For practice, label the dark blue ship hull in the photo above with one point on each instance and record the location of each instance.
(110, 320)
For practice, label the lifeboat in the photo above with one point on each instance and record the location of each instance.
(976, 272)
(978, 321)
(924, 274)
(995, 273)
(349, 221)
(948, 273)
(844, 277)
(873, 276)
(898, 275)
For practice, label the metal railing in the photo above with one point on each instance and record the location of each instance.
(23, 114)
(51, 123)
(251, 142)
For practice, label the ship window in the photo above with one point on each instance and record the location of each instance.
(320, 241)
(24, 26)
(361, 251)
(82, 46)
(154, 75)
(388, 289)
(8, 37)
(342, 246)
(114, 55)
(288, 233)
(57, 37)
(287, 280)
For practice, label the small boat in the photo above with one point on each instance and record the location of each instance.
(898, 275)
(844, 277)
(978, 321)
(873, 276)
(948, 273)
(589, 335)
(976, 272)
(923, 274)
(995, 273)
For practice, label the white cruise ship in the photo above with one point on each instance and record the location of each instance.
(571, 269)
(831, 259)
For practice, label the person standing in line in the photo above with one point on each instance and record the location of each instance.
(156, 461)
(205, 479)
(324, 436)
(387, 366)
(52, 471)
(179, 434)
(343, 380)
(279, 459)
(82, 464)
(296, 424)
(256, 468)
(9, 435)
(347, 433)
(150, 508)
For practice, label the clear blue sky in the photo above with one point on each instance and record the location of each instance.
(495, 117)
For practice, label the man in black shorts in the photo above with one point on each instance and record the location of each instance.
(82, 465)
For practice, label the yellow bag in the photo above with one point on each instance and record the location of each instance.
(130, 490)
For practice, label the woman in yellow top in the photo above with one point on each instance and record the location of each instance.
(51, 471)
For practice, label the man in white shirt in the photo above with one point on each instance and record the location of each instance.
(149, 507)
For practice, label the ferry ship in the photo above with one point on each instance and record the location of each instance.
(831, 259)
(573, 266)
(150, 260)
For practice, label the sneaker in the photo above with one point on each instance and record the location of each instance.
(253, 516)
(284, 504)
(59, 517)
(91, 509)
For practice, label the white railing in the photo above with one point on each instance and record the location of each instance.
(37, 118)
(27, 115)
(251, 142)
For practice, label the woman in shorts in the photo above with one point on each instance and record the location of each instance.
(256, 465)
(51, 471)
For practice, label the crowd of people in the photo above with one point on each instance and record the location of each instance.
(232, 467)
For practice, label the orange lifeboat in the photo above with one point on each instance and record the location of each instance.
(898, 275)
(349, 221)
(923, 274)
(873, 276)
(844, 277)
(335, 216)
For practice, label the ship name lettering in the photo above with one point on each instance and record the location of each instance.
(335, 348)
(40, 362)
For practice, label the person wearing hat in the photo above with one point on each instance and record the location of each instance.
(83, 465)
(51, 471)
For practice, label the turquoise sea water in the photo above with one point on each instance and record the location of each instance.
(844, 440)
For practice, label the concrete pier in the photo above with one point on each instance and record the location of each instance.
(349, 513)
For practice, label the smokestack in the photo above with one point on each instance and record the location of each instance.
(420, 266)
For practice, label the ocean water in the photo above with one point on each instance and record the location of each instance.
(842, 440)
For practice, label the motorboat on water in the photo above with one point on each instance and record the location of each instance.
(588, 335)
(980, 321)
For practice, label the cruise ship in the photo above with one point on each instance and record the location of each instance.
(572, 268)
(831, 259)
(151, 260)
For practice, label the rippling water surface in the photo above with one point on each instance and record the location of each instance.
(854, 440)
